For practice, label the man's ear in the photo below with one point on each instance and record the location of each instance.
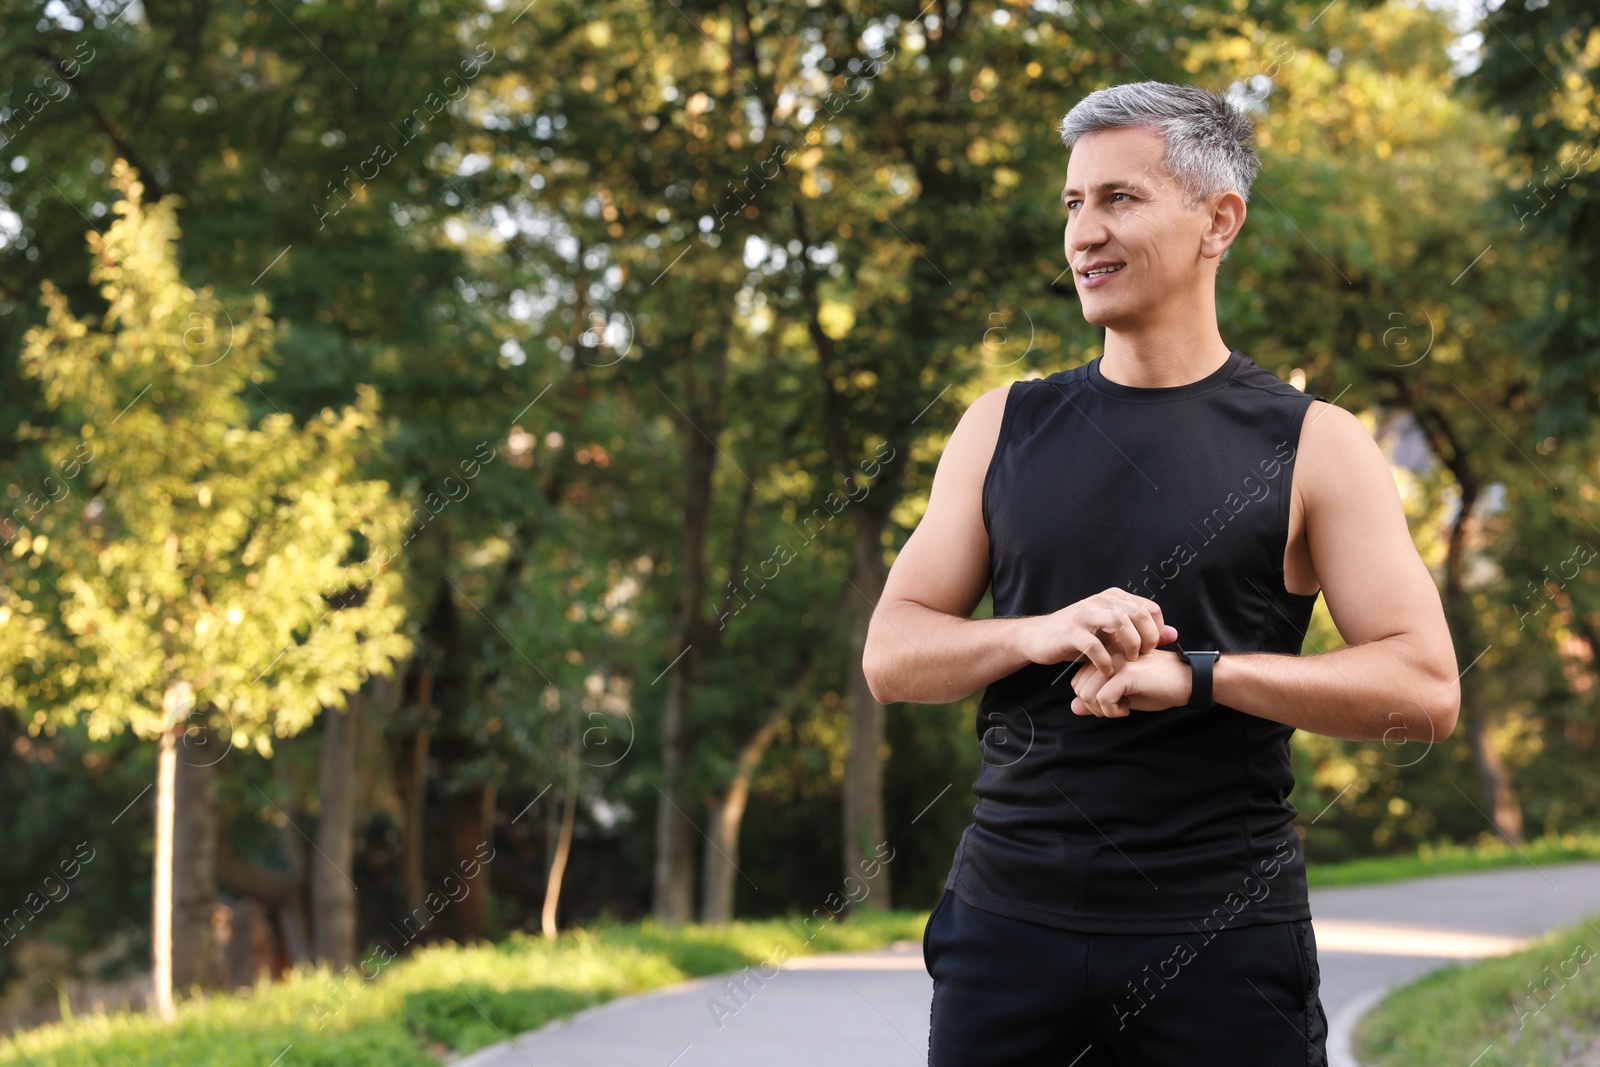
(1227, 211)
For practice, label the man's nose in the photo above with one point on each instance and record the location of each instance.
(1087, 231)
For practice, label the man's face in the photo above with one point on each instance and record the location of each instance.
(1124, 211)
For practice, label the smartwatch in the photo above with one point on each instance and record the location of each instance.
(1200, 664)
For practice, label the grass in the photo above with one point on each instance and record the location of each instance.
(1454, 859)
(441, 1001)
(1538, 1008)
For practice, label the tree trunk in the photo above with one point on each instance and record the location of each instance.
(726, 809)
(863, 773)
(1505, 811)
(195, 959)
(1498, 792)
(473, 842)
(293, 921)
(674, 874)
(333, 894)
(674, 870)
(183, 945)
(483, 850)
(161, 917)
(558, 859)
(414, 786)
(726, 815)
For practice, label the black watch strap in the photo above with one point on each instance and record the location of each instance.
(1200, 668)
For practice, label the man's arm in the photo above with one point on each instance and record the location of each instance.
(1396, 681)
(922, 643)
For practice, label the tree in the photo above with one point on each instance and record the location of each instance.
(212, 577)
(314, 150)
(1539, 69)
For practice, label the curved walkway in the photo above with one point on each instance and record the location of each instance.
(872, 1007)
(1373, 938)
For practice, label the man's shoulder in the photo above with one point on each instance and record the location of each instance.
(978, 428)
(1037, 387)
(1251, 375)
(1071, 375)
(1331, 431)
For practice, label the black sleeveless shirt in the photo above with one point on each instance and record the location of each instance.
(1162, 821)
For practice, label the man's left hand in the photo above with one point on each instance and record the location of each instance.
(1155, 681)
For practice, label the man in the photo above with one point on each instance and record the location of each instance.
(1131, 890)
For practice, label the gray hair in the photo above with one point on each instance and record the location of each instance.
(1210, 143)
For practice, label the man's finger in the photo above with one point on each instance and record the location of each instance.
(1096, 652)
(1088, 692)
(1131, 639)
(1114, 695)
(1149, 633)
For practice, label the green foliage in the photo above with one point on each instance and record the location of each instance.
(1541, 69)
(1536, 1008)
(1450, 858)
(242, 559)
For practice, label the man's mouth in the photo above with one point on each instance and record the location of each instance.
(1100, 275)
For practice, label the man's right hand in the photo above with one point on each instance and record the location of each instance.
(1112, 621)
(924, 646)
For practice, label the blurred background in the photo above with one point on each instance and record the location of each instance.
(452, 450)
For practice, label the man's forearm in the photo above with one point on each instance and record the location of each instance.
(924, 656)
(1382, 690)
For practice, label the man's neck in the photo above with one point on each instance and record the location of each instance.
(1159, 361)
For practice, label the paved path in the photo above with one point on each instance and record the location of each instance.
(1370, 938)
(872, 1008)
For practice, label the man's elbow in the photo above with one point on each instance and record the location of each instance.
(1447, 710)
(881, 694)
(876, 673)
(880, 689)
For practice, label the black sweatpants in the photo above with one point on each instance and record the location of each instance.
(1008, 993)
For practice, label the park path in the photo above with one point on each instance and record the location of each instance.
(871, 1008)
